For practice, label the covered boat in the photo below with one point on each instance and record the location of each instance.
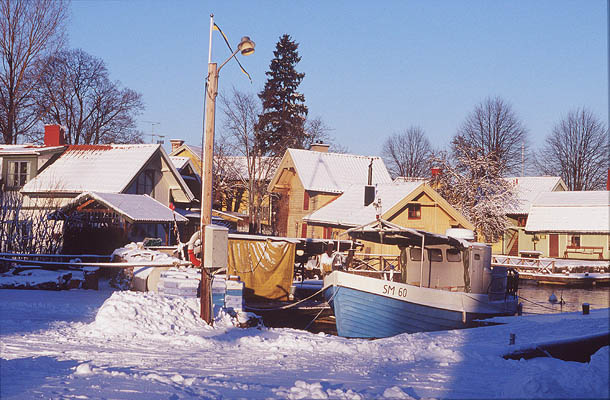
(442, 283)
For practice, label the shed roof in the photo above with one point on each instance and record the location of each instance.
(135, 208)
(528, 188)
(578, 212)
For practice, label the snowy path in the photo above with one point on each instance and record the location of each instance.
(145, 346)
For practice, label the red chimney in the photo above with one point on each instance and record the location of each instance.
(434, 171)
(54, 135)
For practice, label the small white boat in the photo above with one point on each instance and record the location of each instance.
(452, 285)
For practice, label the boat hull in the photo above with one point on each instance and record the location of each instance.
(367, 307)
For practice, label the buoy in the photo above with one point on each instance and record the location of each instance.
(552, 298)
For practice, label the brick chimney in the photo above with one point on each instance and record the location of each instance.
(54, 135)
(434, 171)
(176, 143)
(319, 146)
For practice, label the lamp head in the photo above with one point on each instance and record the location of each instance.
(246, 46)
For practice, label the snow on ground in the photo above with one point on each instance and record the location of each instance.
(128, 345)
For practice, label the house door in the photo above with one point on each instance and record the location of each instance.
(553, 245)
(283, 209)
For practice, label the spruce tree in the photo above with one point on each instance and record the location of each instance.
(282, 122)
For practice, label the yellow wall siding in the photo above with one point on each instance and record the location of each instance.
(526, 242)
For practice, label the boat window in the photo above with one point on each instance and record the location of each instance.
(435, 255)
(415, 254)
(477, 256)
(454, 255)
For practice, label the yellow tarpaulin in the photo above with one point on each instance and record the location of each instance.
(266, 267)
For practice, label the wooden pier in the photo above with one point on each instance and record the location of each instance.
(557, 271)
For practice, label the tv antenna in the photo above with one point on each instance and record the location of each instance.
(152, 133)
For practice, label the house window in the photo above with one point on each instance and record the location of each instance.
(521, 221)
(146, 183)
(328, 232)
(18, 172)
(304, 230)
(575, 241)
(305, 200)
(414, 211)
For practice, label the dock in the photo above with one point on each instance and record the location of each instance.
(572, 336)
(552, 271)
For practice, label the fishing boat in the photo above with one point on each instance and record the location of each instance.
(442, 283)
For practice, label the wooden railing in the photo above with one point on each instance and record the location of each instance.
(541, 265)
(589, 250)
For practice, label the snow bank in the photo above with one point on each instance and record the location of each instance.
(133, 252)
(144, 345)
(138, 314)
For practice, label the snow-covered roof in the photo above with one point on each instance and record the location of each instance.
(179, 162)
(107, 168)
(335, 172)
(139, 208)
(237, 167)
(349, 208)
(26, 149)
(528, 188)
(583, 212)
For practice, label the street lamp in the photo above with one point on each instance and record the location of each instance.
(246, 47)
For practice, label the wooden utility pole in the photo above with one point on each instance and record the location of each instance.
(206, 195)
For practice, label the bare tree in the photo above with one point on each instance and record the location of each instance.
(407, 153)
(577, 150)
(316, 131)
(75, 91)
(26, 224)
(29, 31)
(493, 130)
(241, 112)
(472, 183)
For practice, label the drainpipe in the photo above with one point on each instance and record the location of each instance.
(421, 262)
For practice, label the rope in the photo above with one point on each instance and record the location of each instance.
(286, 307)
(487, 304)
(533, 302)
(317, 315)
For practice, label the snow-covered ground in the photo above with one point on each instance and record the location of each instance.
(130, 345)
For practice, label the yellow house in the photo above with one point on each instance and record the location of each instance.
(527, 190)
(570, 224)
(307, 180)
(231, 192)
(408, 204)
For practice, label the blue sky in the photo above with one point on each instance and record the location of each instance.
(372, 68)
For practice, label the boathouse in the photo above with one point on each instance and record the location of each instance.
(527, 190)
(571, 224)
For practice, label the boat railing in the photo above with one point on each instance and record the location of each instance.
(375, 262)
